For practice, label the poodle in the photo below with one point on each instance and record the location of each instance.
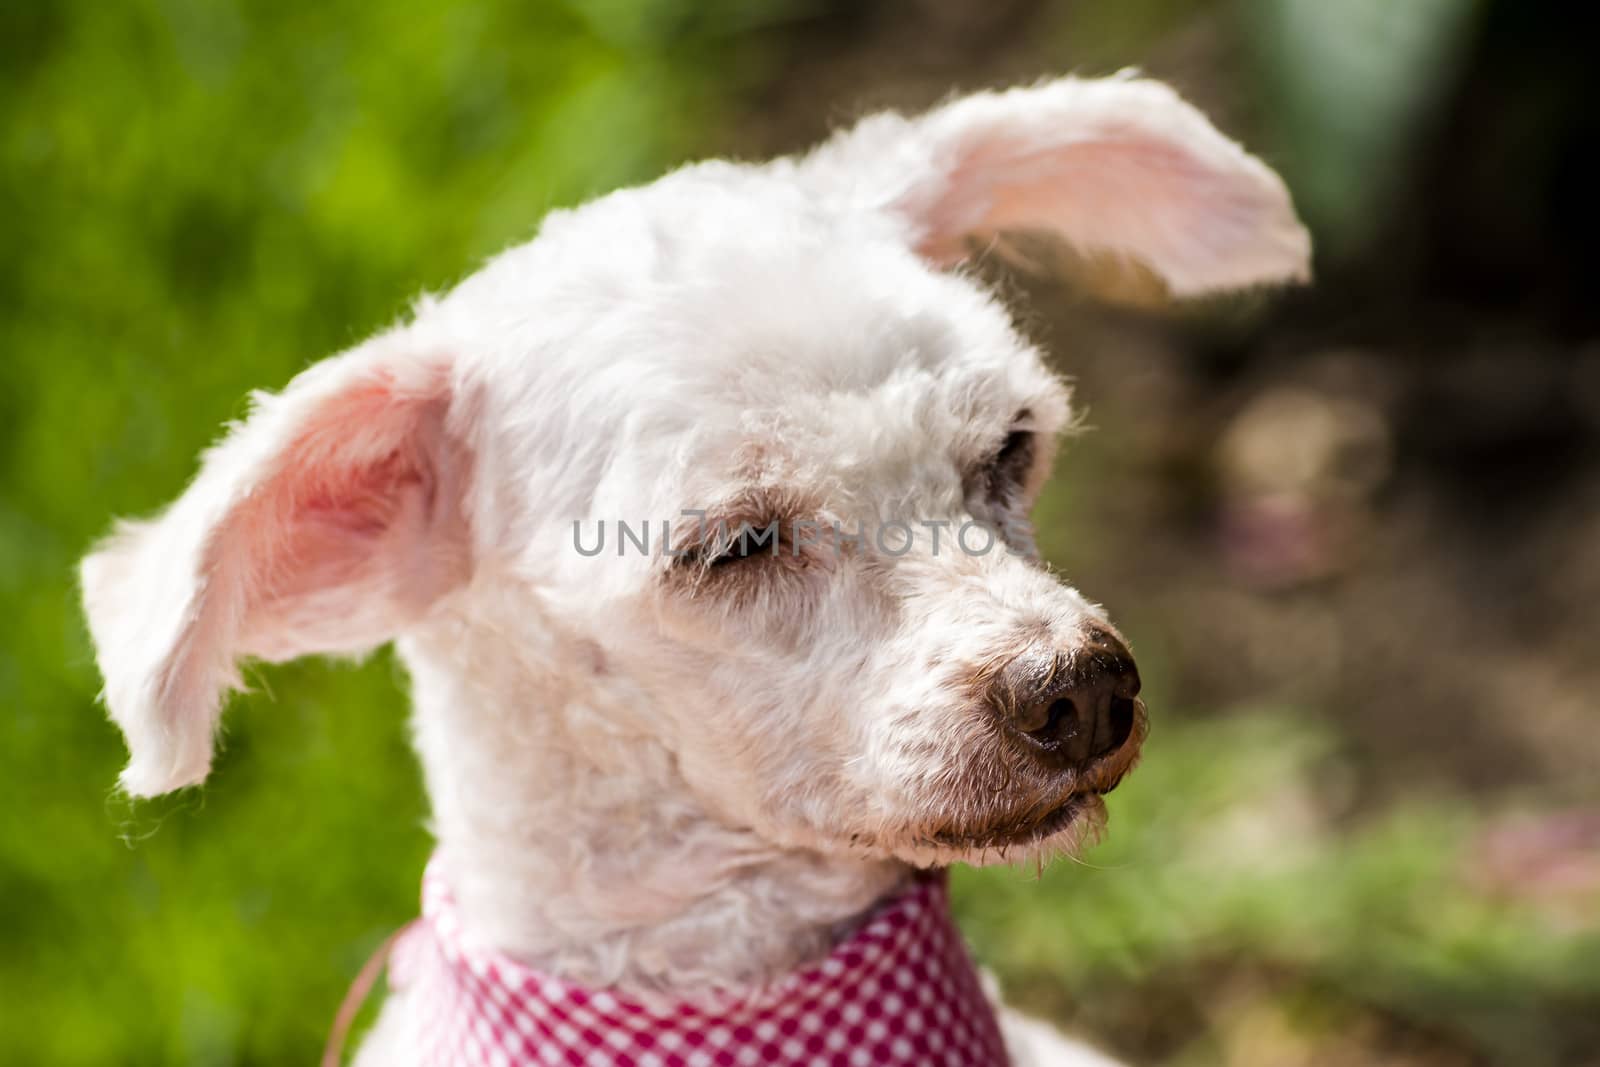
(700, 525)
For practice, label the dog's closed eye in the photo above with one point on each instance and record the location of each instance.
(744, 563)
(749, 541)
(723, 545)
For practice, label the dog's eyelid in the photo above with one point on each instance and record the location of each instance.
(1043, 426)
(726, 540)
(1025, 425)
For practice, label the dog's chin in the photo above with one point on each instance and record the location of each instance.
(1042, 820)
(1076, 821)
(1064, 828)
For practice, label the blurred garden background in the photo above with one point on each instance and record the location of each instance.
(1353, 531)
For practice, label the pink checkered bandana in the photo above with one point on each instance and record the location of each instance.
(901, 990)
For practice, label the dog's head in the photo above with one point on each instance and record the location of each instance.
(753, 443)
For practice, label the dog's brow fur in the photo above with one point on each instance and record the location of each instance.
(693, 775)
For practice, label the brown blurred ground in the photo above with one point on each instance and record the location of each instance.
(1375, 502)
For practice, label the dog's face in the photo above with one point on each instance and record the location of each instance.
(752, 440)
(835, 616)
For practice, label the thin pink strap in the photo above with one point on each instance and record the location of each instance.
(333, 1051)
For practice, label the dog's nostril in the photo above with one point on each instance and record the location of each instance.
(1119, 720)
(1061, 721)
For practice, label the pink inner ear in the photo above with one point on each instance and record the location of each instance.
(351, 468)
(342, 484)
(333, 549)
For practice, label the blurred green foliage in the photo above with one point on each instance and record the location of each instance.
(201, 198)
(1351, 83)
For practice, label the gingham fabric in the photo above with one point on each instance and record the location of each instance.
(901, 990)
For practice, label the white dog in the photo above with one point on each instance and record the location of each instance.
(709, 760)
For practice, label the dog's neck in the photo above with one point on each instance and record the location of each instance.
(572, 843)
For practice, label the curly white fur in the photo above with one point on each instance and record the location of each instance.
(649, 771)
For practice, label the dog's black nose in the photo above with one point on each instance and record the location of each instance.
(1079, 706)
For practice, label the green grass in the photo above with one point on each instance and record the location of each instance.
(200, 199)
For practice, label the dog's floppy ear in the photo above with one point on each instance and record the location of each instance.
(1116, 166)
(324, 522)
